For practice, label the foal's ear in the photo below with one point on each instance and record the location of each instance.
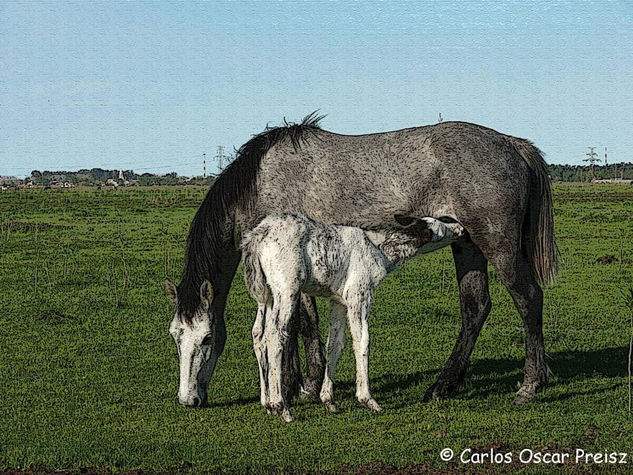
(206, 292)
(403, 220)
(171, 290)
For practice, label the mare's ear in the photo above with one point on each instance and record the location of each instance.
(171, 290)
(206, 293)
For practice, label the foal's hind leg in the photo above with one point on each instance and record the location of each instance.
(260, 352)
(472, 276)
(276, 337)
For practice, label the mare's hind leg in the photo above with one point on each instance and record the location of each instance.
(334, 349)
(305, 321)
(291, 379)
(472, 276)
(315, 359)
(516, 274)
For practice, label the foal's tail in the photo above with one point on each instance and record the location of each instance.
(538, 229)
(253, 273)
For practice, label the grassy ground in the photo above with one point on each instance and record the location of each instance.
(88, 373)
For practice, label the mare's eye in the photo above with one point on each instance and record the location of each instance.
(206, 341)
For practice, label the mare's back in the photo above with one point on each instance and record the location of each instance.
(365, 180)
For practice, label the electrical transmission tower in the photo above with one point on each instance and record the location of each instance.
(220, 157)
(204, 166)
(592, 159)
(440, 119)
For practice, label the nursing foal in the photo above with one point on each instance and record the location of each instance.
(286, 255)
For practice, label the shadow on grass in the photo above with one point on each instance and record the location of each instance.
(499, 376)
(489, 376)
(233, 402)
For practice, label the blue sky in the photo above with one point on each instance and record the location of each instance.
(153, 85)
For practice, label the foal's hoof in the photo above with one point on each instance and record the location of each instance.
(280, 410)
(371, 404)
(440, 390)
(331, 407)
(286, 416)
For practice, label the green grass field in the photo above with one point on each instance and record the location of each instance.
(88, 372)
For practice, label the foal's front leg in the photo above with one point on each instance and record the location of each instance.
(334, 349)
(358, 316)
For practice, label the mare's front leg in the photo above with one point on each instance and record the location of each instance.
(276, 339)
(472, 276)
(315, 359)
(334, 349)
(358, 316)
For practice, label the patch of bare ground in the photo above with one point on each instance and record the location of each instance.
(53, 316)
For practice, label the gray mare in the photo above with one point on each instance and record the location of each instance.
(496, 186)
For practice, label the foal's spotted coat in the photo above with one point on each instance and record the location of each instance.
(286, 255)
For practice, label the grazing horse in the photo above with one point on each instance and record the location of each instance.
(496, 186)
(286, 255)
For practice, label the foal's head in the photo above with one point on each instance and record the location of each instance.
(426, 234)
(197, 338)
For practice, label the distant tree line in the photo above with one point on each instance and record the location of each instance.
(99, 176)
(583, 172)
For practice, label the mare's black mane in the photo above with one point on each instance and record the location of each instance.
(236, 185)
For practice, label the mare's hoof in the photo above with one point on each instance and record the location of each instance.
(310, 390)
(440, 390)
(526, 394)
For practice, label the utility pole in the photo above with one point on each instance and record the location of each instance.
(593, 158)
(220, 157)
(439, 120)
(204, 166)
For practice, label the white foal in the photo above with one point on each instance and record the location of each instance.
(286, 255)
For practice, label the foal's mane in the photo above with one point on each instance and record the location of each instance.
(236, 185)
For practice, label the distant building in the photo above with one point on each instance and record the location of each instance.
(613, 181)
(9, 180)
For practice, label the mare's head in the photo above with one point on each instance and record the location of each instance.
(200, 340)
